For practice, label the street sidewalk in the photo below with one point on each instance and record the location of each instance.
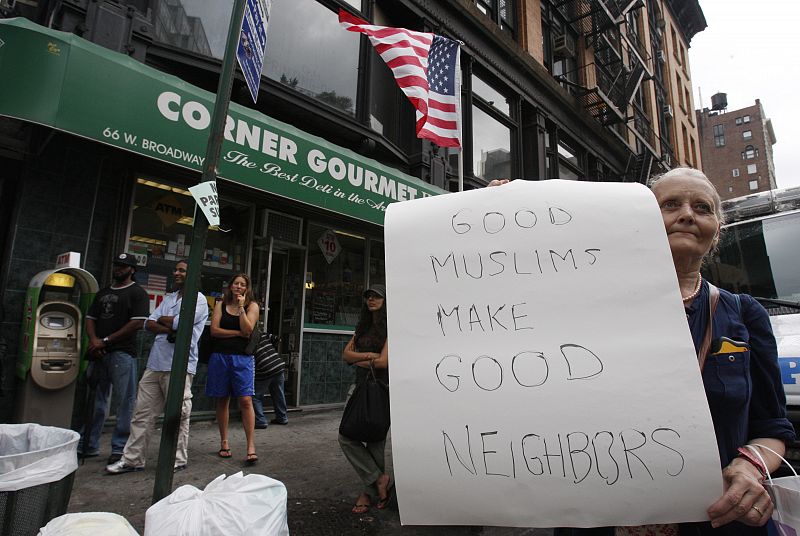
(304, 455)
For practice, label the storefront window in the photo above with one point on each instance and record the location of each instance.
(491, 147)
(377, 262)
(161, 234)
(334, 277)
(309, 51)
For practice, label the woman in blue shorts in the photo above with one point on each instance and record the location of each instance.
(230, 369)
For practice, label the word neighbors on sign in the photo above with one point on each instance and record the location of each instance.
(539, 330)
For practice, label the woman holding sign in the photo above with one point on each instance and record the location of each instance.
(737, 354)
(368, 352)
(736, 351)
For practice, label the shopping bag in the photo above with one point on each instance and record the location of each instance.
(366, 416)
(785, 494)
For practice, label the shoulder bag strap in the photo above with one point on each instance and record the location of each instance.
(713, 299)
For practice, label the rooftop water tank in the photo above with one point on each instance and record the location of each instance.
(719, 101)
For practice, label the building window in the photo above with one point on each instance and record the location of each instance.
(492, 131)
(719, 135)
(199, 29)
(685, 136)
(751, 169)
(559, 40)
(735, 172)
(749, 152)
(501, 12)
(753, 185)
(569, 160)
(679, 83)
(491, 146)
(293, 53)
(746, 119)
(674, 42)
(747, 134)
(693, 145)
(738, 120)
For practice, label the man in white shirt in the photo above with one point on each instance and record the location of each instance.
(155, 381)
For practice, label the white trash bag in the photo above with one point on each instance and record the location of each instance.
(32, 454)
(785, 495)
(251, 505)
(88, 524)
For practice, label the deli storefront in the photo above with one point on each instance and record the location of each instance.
(302, 216)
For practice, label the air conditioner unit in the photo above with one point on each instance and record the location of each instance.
(667, 109)
(660, 56)
(563, 46)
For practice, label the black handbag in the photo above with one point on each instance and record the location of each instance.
(252, 343)
(366, 416)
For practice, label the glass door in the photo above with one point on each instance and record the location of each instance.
(283, 297)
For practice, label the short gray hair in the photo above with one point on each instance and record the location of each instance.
(695, 174)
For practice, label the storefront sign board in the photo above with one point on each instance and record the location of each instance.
(542, 371)
(89, 91)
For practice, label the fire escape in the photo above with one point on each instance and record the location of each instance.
(610, 86)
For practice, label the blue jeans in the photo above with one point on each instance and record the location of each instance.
(120, 372)
(274, 385)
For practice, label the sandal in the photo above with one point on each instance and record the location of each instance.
(252, 458)
(224, 453)
(361, 507)
(383, 503)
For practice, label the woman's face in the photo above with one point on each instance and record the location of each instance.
(239, 286)
(687, 207)
(374, 302)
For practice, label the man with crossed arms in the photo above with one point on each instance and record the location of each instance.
(155, 381)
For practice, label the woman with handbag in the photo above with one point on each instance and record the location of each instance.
(368, 352)
(230, 366)
(737, 357)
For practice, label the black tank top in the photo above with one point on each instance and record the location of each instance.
(231, 345)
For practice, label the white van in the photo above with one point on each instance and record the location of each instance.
(759, 254)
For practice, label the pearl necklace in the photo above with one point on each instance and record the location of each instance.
(696, 290)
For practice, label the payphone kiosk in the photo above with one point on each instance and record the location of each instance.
(52, 342)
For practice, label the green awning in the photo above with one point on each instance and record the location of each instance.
(62, 81)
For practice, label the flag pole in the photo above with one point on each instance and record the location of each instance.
(459, 112)
(461, 169)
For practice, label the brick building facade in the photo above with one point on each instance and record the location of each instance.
(737, 150)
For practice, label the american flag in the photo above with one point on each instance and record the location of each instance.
(427, 69)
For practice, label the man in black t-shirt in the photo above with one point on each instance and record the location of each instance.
(114, 317)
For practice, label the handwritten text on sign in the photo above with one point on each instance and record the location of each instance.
(542, 372)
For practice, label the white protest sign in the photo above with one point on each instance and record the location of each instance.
(205, 194)
(542, 371)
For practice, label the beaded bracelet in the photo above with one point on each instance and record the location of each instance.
(747, 455)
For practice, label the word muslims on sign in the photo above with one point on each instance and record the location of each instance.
(427, 68)
(543, 374)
